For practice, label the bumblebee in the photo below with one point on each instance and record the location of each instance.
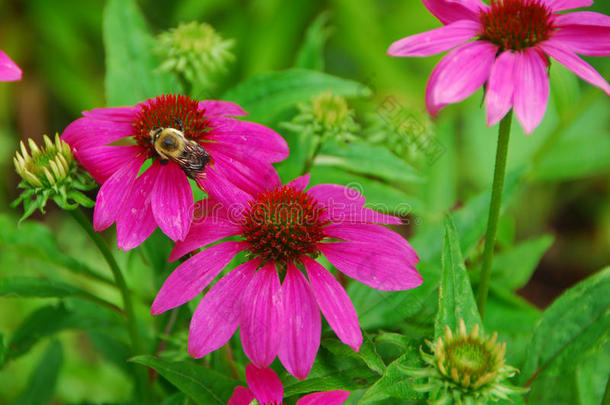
(171, 144)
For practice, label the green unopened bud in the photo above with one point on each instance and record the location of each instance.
(50, 172)
(466, 368)
(327, 116)
(196, 52)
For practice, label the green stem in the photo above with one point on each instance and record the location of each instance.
(312, 156)
(134, 335)
(494, 210)
(606, 400)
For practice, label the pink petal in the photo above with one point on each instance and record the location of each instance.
(253, 176)
(203, 232)
(192, 276)
(531, 89)
(583, 32)
(9, 71)
(114, 192)
(459, 74)
(135, 221)
(103, 161)
(587, 18)
(437, 40)
(260, 312)
(217, 315)
(215, 107)
(559, 5)
(373, 255)
(116, 114)
(221, 189)
(500, 87)
(265, 385)
(337, 397)
(448, 11)
(88, 133)
(300, 183)
(334, 303)
(241, 396)
(245, 140)
(345, 204)
(301, 324)
(172, 200)
(575, 64)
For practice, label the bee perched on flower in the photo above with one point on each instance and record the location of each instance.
(513, 40)
(282, 230)
(143, 156)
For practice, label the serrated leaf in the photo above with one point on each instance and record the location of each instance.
(266, 95)
(577, 320)
(41, 385)
(368, 352)
(456, 300)
(132, 73)
(203, 385)
(311, 54)
(395, 383)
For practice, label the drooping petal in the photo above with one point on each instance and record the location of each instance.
(103, 161)
(114, 192)
(584, 32)
(448, 11)
(241, 396)
(88, 133)
(245, 140)
(135, 221)
(116, 114)
(217, 315)
(337, 397)
(265, 384)
(459, 74)
(300, 183)
(259, 320)
(373, 255)
(576, 65)
(301, 324)
(531, 89)
(203, 232)
(500, 87)
(171, 199)
(345, 204)
(215, 107)
(334, 303)
(192, 276)
(9, 71)
(223, 190)
(560, 5)
(582, 18)
(437, 40)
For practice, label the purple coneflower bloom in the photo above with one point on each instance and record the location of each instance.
(9, 71)
(512, 42)
(115, 144)
(283, 229)
(265, 387)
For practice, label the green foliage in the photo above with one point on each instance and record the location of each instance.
(41, 385)
(311, 53)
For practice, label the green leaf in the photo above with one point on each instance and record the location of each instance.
(266, 95)
(368, 352)
(395, 383)
(311, 54)
(456, 300)
(203, 385)
(513, 268)
(132, 73)
(41, 384)
(578, 320)
(592, 375)
(350, 379)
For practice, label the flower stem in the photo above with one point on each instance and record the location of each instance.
(134, 335)
(315, 150)
(494, 210)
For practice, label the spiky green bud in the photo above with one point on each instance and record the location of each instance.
(50, 172)
(196, 52)
(466, 368)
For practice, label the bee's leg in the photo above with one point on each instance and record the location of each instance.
(179, 124)
(163, 161)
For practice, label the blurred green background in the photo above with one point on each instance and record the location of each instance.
(59, 46)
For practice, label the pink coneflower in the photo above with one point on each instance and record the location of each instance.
(283, 229)
(512, 42)
(227, 157)
(265, 387)
(9, 71)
